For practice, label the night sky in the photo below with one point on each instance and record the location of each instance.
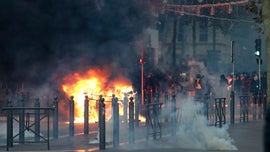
(41, 40)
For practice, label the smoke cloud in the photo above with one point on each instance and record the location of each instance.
(42, 40)
(195, 133)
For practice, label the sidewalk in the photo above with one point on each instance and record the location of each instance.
(248, 137)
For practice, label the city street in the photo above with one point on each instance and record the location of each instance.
(247, 138)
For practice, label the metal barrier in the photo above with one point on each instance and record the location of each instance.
(220, 113)
(152, 120)
(38, 112)
(244, 108)
(258, 105)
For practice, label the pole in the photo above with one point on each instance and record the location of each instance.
(142, 76)
(259, 73)
(173, 115)
(55, 119)
(232, 107)
(71, 116)
(137, 111)
(21, 120)
(174, 40)
(9, 126)
(131, 121)
(115, 122)
(125, 102)
(259, 96)
(101, 120)
(232, 102)
(37, 120)
(148, 121)
(233, 68)
(86, 113)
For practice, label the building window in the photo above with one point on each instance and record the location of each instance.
(203, 30)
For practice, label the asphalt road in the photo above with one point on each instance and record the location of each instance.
(248, 137)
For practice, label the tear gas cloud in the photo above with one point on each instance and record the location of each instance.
(195, 133)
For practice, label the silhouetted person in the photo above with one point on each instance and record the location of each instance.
(264, 82)
(223, 86)
(199, 87)
(237, 84)
(223, 80)
(254, 88)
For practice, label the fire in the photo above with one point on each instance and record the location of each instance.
(93, 83)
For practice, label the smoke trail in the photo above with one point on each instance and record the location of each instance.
(194, 132)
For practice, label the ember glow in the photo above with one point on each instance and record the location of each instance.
(93, 83)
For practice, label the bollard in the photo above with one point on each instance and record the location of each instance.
(232, 107)
(37, 120)
(115, 121)
(137, 111)
(173, 115)
(9, 126)
(21, 120)
(55, 118)
(71, 116)
(125, 102)
(131, 121)
(101, 120)
(86, 115)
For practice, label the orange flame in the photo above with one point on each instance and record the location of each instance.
(93, 83)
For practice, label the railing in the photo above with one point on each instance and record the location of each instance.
(25, 121)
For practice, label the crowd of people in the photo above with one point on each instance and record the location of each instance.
(198, 85)
(243, 84)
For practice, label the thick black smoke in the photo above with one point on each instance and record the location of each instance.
(40, 39)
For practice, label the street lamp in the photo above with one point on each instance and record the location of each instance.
(142, 76)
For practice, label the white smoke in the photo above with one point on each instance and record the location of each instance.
(195, 133)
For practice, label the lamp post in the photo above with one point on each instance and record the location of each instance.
(142, 75)
(232, 96)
